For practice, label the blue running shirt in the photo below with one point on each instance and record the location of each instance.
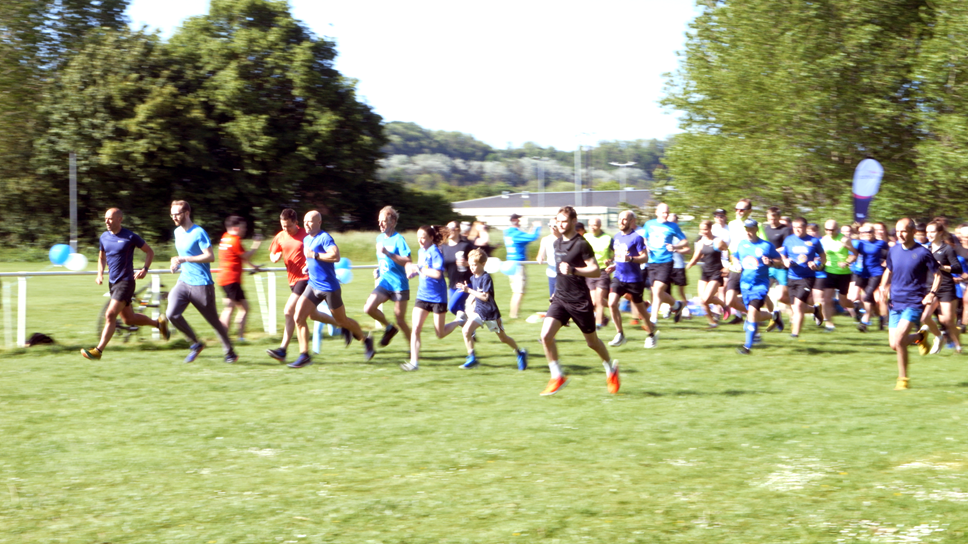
(657, 235)
(800, 252)
(191, 243)
(322, 276)
(628, 244)
(393, 277)
(872, 254)
(516, 243)
(430, 289)
(911, 270)
(750, 256)
(119, 251)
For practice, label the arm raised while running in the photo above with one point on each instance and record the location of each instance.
(149, 256)
(590, 270)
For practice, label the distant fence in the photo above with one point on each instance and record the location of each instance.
(266, 295)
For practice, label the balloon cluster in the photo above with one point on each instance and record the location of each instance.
(60, 255)
(343, 272)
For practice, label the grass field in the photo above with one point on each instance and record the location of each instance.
(804, 442)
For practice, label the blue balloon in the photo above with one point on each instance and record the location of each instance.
(509, 268)
(343, 263)
(59, 254)
(344, 275)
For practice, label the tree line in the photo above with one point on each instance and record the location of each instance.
(241, 111)
(782, 99)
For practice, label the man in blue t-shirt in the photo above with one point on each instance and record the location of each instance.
(117, 252)
(756, 256)
(909, 267)
(800, 255)
(322, 254)
(516, 245)
(630, 254)
(393, 255)
(870, 269)
(195, 284)
(659, 234)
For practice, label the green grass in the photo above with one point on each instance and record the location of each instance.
(804, 442)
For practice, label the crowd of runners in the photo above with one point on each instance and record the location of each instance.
(910, 278)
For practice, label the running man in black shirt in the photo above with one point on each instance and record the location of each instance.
(775, 233)
(572, 300)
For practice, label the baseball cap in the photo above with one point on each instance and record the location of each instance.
(515, 216)
(719, 211)
(750, 223)
(465, 226)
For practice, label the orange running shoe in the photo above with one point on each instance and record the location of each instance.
(555, 385)
(612, 378)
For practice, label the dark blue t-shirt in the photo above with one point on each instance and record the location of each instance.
(910, 272)
(322, 276)
(872, 255)
(486, 309)
(631, 244)
(119, 251)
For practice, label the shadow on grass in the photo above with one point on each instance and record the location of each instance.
(691, 393)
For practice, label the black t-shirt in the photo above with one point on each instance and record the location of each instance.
(454, 274)
(946, 256)
(574, 252)
(776, 236)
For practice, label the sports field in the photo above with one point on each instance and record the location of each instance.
(805, 441)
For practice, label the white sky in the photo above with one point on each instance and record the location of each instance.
(505, 71)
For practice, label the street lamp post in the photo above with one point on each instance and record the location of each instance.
(623, 174)
(541, 178)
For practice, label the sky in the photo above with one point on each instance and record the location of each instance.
(506, 72)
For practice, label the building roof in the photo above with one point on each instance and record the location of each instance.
(611, 199)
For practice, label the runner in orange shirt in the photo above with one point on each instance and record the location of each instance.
(231, 255)
(288, 246)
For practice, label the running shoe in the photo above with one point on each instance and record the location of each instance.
(712, 325)
(936, 344)
(677, 311)
(278, 354)
(163, 327)
(232, 357)
(829, 327)
(347, 337)
(792, 335)
(650, 341)
(93, 354)
(193, 352)
(922, 341)
(388, 335)
(634, 322)
(470, 362)
(611, 377)
(461, 317)
(778, 319)
(818, 316)
(857, 308)
(368, 351)
(619, 340)
(523, 359)
(861, 326)
(772, 325)
(303, 360)
(743, 350)
(555, 385)
(409, 366)
(902, 384)
(736, 319)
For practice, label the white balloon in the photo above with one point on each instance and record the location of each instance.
(493, 265)
(75, 262)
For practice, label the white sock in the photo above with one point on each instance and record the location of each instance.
(608, 366)
(555, 369)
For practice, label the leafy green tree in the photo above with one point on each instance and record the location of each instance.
(781, 100)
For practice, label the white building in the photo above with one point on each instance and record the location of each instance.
(496, 210)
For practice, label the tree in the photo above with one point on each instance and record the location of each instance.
(782, 99)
